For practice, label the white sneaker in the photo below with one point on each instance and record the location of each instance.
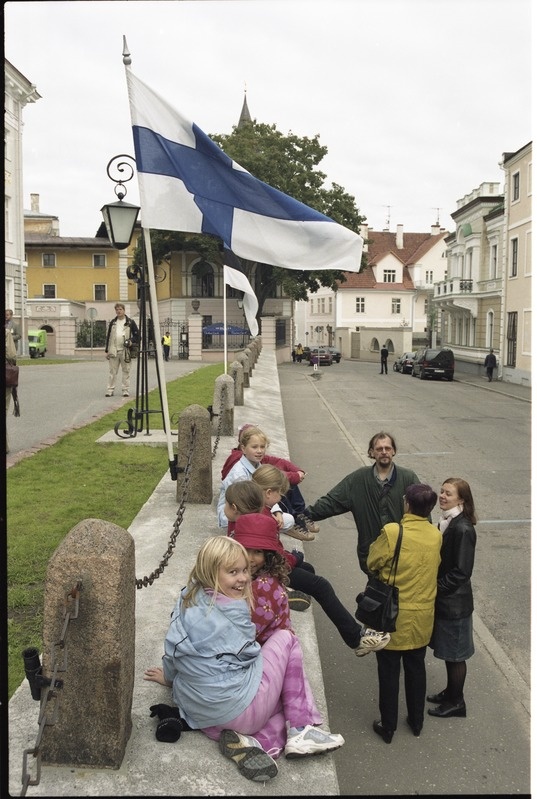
(253, 762)
(311, 741)
(109, 394)
(371, 641)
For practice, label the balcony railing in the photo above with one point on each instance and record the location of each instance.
(454, 285)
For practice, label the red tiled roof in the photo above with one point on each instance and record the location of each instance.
(382, 243)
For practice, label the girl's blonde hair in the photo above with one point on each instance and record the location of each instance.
(216, 553)
(249, 432)
(246, 496)
(271, 478)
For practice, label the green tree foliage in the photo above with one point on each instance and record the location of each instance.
(289, 163)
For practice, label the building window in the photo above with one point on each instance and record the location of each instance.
(512, 322)
(49, 291)
(330, 305)
(202, 280)
(318, 305)
(516, 187)
(360, 304)
(389, 276)
(396, 305)
(99, 292)
(49, 259)
(429, 276)
(99, 261)
(494, 261)
(514, 258)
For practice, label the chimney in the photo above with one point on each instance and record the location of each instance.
(435, 229)
(364, 232)
(34, 202)
(399, 237)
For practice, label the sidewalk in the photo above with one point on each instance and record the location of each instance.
(193, 766)
(497, 386)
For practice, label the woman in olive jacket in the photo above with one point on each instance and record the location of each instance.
(452, 639)
(416, 578)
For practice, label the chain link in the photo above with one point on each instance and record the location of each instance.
(145, 581)
(220, 419)
(48, 714)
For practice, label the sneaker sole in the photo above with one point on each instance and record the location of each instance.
(375, 648)
(253, 763)
(296, 754)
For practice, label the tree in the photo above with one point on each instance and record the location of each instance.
(288, 163)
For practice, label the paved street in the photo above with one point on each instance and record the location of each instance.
(56, 397)
(442, 429)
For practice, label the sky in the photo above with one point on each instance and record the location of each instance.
(415, 100)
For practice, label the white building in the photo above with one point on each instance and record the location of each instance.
(18, 92)
(388, 302)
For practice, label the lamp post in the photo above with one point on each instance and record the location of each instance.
(120, 220)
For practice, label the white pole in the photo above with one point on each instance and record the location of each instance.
(225, 329)
(158, 348)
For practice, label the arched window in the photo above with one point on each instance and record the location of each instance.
(202, 280)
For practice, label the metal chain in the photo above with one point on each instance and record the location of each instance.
(48, 714)
(220, 419)
(145, 581)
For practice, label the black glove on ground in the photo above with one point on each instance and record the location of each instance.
(169, 730)
(164, 711)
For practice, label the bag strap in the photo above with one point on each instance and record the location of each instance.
(395, 561)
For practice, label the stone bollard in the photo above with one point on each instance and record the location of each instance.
(237, 373)
(94, 721)
(200, 486)
(242, 358)
(251, 357)
(223, 406)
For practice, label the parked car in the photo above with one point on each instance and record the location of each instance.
(336, 355)
(397, 363)
(434, 363)
(322, 354)
(404, 363)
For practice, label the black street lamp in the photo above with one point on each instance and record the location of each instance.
(120, 218)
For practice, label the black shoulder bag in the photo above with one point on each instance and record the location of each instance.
(378, 605)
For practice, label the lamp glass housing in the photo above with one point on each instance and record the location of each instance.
(120, 219)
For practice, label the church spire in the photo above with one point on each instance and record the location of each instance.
(245, 116)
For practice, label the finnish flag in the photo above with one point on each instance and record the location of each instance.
(187, 183)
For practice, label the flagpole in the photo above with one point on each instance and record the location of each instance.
(225, 327)
(158, 348)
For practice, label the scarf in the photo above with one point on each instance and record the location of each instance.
(447, 516)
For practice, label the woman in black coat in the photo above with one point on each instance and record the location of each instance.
(452, 639)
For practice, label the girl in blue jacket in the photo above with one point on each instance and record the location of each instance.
(224, 683)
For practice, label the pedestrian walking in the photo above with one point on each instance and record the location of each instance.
(490, 364)
(166, 342)
(299, 352)
(384, 360)
(12, 328)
